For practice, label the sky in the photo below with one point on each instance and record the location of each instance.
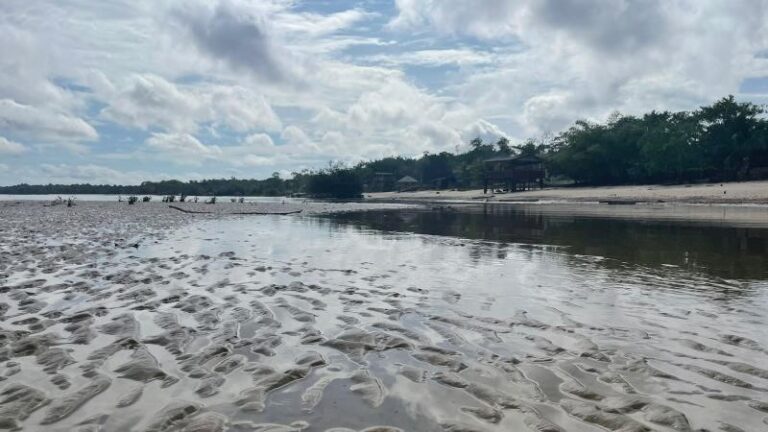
(123, 91)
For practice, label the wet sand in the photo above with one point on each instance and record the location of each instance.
(753, 192)
(141, 318)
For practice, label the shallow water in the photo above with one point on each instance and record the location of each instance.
(648, 236)
(420, 320)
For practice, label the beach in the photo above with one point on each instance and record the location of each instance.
(754, 192)
(364, 317)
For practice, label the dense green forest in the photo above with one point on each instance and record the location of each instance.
(727, 140)
(724, 141)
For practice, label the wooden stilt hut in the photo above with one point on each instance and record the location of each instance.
(513, 173)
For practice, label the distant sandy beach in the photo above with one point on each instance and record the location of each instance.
(710, 193)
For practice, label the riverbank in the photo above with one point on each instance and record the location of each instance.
(222, 208)
(710, 193)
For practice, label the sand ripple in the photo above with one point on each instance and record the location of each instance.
(99, 335)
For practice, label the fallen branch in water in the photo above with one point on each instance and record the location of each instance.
(189, 211)
(236, 213)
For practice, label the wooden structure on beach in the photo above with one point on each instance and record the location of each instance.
(407, 183)
(513, 173)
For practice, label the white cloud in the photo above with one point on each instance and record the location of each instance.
(395, 104)
(435, 57)
(10, 147)
(150, 101)
(296, 139)
(397, 118)
(612, 26)
(587, 58)
(242, 109)
(483, 129)
(181, 145)
(206, 79)
(24, 77)
(294, 135)
(259, 142)
(88, 173)
(314, 24)
(549, 112)
(436, 136)
(489, 18)
(184, 149)
(39, 123)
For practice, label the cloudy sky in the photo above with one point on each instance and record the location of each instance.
(120, 91)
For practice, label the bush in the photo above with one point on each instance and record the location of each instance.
(335, 182)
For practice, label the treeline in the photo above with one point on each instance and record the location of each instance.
(431, 170)
(272, 186)
(725, 141)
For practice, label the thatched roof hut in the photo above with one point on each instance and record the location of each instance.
(407, 182)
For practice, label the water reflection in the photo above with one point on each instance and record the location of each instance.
(722, 251)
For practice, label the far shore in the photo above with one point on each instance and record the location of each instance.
(724, 204)
(753, 192)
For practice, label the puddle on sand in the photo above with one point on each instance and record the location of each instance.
(318, 323)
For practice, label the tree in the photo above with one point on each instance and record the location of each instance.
(336, 181)
(529, 148)
(503, 145)
(436, 167)
(731, 132)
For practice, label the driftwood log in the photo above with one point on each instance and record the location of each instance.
(236, 213)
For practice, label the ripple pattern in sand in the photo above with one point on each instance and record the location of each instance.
(211, 326)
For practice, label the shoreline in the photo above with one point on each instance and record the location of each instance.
(746, 204)
(735, 214)
(200, 209)
(734, 193)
